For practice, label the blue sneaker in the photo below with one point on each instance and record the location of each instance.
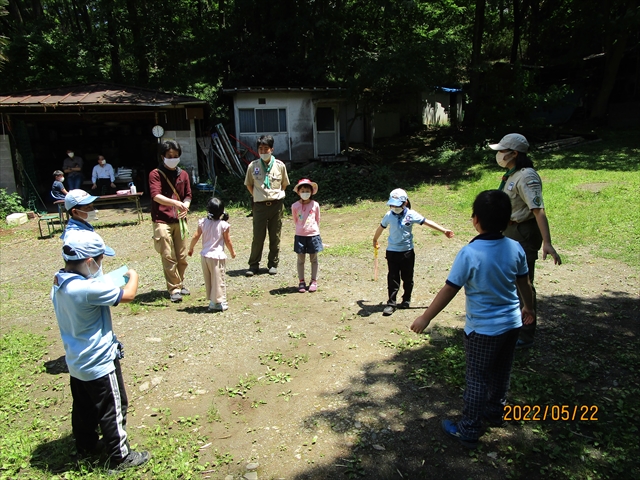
(451, 429)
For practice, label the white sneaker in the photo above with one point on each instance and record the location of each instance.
(218, 307)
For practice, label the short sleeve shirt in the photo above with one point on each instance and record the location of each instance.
(213, 238)
(306, 218)
(56, 190)
(84, 318)
(525, 192)
(487, 269)
(400, 229)
(278, 178)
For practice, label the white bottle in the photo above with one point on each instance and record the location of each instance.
(132, 189)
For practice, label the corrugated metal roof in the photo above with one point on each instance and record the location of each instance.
(95, 94)
(281, 89)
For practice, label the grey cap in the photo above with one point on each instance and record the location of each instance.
(513, 141)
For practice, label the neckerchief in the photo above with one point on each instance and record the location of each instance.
(488, 236)
(267, 181)
(505, 177)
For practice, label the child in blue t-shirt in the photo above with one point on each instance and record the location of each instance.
(58, 191)
(81, 303)
(491, 268)
(400, 255)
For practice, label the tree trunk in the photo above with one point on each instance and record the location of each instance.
(114, 45)
(140, 50)
(517, 25)
(475, 67)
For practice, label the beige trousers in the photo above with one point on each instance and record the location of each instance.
(214, 272)
(173, 250)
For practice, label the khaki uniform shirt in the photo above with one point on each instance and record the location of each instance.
(278, 178)
(525, 192)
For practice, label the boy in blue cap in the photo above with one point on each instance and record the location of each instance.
(400, 256)
(81, 303)
(492, 269)
(79, 204)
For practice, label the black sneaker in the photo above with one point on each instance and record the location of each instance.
(251, 272)
(134, 459)
(404, 305)
(388, 310)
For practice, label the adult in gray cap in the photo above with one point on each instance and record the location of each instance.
(529, 225)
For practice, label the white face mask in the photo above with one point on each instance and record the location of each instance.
(98, 272)
(397, 210)
(305, 195)
(500, 158)
(102, 162)
(70, 154)
(171, 162)
(61, 180)
(265, 156)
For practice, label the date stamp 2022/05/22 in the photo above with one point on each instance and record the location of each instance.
(556, 413)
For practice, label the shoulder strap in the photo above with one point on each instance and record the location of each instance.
(170, 184)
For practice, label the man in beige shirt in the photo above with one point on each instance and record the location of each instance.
(266, 180)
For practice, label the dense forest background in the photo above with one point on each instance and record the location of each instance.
(510, 57)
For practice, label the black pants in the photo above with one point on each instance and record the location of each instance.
(103, 187)
(400, 266)
(101, 402)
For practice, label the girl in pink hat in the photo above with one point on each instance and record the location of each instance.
(306, 218)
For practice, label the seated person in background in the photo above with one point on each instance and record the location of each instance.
(58, 191)
(78, 204)
(103, 177)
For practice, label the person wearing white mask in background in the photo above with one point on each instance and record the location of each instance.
(170, 191)
(266, 180)
(529, 225)
(103, 177)
(72, 167)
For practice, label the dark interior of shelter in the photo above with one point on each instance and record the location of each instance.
(124, 139)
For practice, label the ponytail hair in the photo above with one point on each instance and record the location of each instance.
(215, 210)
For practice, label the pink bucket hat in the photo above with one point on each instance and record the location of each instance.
(306, 181)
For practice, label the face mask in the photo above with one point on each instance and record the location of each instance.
(70, 154)
(98, 272)
(500, 158)
(171, 162)
(61, 180)
(265, 156)
(102, 162)
(397, 210)
(305, 196)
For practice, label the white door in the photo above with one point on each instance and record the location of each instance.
(327, 141)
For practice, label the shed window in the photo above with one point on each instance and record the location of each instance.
(262, 120)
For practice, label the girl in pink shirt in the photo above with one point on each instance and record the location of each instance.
(214, 231)
(306, 217)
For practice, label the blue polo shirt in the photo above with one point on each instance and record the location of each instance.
(84, 318)
(74, 224)
(400, 225)
(487, 268)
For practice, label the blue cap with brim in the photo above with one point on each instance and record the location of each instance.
(397, 197)
(83, 244)
(77, 197)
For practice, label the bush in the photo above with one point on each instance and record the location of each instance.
(9, 203)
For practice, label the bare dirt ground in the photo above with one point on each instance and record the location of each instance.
(310, 385)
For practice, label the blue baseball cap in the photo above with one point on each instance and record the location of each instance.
(397, 197)
(77, 197)
(83, 244)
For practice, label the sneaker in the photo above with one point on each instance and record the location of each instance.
(212, 306)
(185, 291)
(273, 271)
(404, 305)
(134, 459)
(451, 429)
(314, 286)
(219, 307)
(302, 287)
(388, 310)
(521, 344)
(251, 272)
(176, 297)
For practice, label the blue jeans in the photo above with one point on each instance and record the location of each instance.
(75, 181)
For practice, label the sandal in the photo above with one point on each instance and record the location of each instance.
(302, 287)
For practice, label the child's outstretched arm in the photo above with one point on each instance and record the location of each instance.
(376, 236)
(429, 223)
(444, 296)
(524, 287)
(131, 287)
(194, 240)
(227, 242)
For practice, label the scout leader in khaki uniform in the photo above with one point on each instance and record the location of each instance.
(529, 225)
(266, 180)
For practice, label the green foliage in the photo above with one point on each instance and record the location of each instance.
(9, 203)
